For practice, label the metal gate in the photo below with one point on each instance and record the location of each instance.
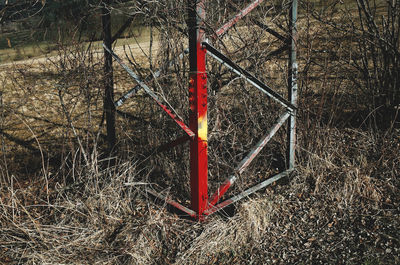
(196, 132)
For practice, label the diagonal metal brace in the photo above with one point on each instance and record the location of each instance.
(126, 96)
(224, 28)
(248, 159)
(249, 77)
(156, 74)
(151, 94)
(247, 192)
(260, 145)
(172, 202)
(219, 32)
(270, 31)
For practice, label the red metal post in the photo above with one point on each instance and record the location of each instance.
(198, 108)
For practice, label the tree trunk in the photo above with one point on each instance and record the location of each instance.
(109, 108)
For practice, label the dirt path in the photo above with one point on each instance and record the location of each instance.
(139, 50)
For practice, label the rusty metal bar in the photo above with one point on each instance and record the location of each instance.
(247, 192)
(248, 159)
(172, 203)
(292, 86)
(219, 32)
(178, 121)
(224, 28)
(263, 26)
(151, 94)
(249, 77)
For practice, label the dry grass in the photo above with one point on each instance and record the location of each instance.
(341, 206)
(60, 203)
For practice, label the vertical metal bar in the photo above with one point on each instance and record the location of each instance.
(198, 108)
(292, 86)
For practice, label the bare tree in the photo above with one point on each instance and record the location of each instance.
(371, 29)
(109, 108)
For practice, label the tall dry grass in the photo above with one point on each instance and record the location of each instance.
(342, 206)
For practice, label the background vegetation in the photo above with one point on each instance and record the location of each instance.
(62, 202)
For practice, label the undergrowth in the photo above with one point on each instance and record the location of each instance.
(340, 206)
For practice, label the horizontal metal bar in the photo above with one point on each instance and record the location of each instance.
(249, 77)
(172, 203)
(151, 93)
(248, 159)
(247, 192)
(156, 74)
(238, 16)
